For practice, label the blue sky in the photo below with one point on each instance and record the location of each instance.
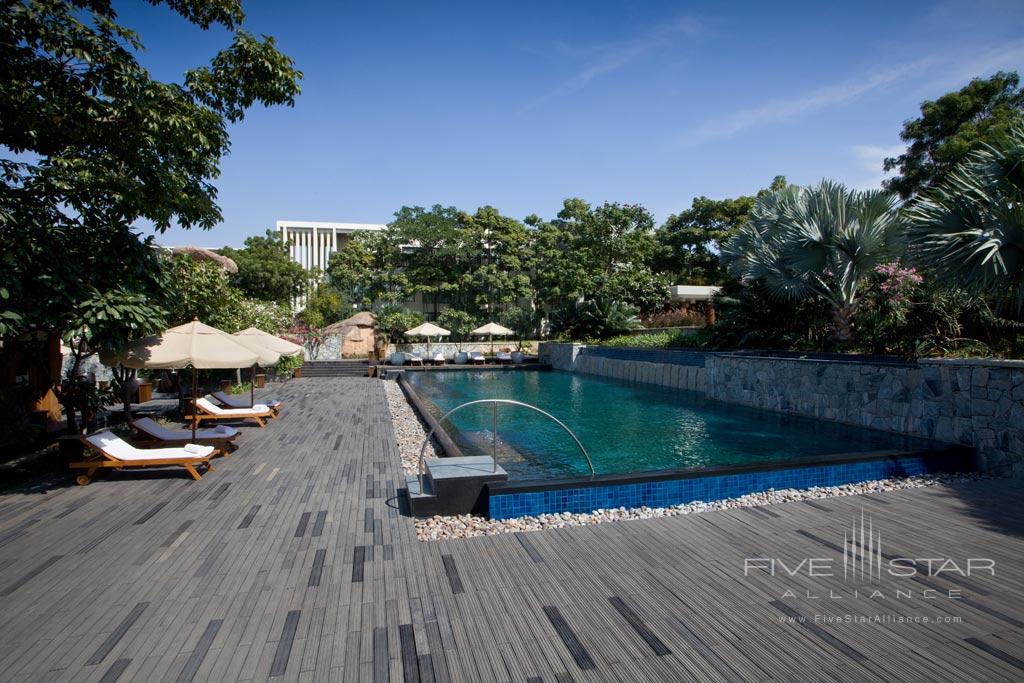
(520, 105)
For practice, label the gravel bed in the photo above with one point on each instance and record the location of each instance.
(409, 431)
(469, 526)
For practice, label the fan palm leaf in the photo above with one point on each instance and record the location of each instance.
(970, 228)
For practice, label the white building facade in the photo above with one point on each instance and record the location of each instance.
(311, 243)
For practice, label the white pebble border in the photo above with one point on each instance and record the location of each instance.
(409, 432)
(468, 526)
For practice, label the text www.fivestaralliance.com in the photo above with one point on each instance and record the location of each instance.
(826, 619)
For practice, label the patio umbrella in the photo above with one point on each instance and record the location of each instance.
(192, 344)
(267, 357)
(491, 329)
(427, 330)
(282, 346)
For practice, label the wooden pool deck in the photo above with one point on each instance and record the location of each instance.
(291, 562)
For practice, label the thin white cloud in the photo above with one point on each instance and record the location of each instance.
(606, 59)
(787, 108)
(869, 158)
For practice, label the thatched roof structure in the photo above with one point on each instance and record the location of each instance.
(204, 254)
(361, 319)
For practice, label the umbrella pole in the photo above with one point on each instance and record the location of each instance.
(252, 386)
(195, 417)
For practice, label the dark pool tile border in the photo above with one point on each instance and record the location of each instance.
(961, 458)
(516, 499)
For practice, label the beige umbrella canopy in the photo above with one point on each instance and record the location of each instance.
(282, 346)
(192, 344)
(491, 329)
(427, 330)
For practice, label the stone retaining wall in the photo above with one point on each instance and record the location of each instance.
(687, 373)
(976, 403)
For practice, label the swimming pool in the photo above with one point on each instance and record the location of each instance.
(629, 427)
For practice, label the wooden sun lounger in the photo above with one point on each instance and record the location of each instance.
(415, 359)
(232, 401)
(477, 357)
(149, 432)
(113, 452)
(207, 411)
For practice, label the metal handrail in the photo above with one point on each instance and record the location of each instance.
(494, 431)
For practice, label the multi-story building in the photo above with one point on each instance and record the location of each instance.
(311, 243)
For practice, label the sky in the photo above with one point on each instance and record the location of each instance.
(521, 105)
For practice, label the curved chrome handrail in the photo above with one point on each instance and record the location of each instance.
(495, 402)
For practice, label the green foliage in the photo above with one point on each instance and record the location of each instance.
(109, 320)
(268, 316)
(952, 127)
(324, 306)
(266, 271)
(969, 229)
(525, 322)
(605, 252)
(693, 238)
(393, 321)
(366, 270)
(459, 323)
(593, 319)
(817, 242)
(496, 273)
(197, 289)
(440, 257)
(749, 316)
(654, 340)
(289, 364)
(92, 143)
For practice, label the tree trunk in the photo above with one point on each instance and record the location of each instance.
(842, 316)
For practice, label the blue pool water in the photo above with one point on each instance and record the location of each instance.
(627, 427)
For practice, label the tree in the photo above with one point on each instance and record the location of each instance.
(324, 306)
(434, 255)
(692, 239)
(821, 241)
(91, 143)
(459, 323)
(366, 270)
(393, 321)
(266, 271)
(197, 289)
(523, 321)
(105, 321)
(969, 229)
(598, 318)
(496, 276)
(603, 252)
(951, 128)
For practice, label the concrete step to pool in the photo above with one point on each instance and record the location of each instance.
(453, 486)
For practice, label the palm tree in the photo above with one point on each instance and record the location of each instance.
(819, 241)
(969, 229)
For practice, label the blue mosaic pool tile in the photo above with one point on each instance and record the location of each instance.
(715, 487)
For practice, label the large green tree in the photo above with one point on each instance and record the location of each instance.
(952, 127)
(266, 271)
(692, 238)
(434, 254)
(91, 143)
(366, 269)
(605, 252)
(496, 276)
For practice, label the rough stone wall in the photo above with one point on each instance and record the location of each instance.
(569, 357)
(977, 403)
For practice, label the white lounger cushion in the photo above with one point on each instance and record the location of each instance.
(158, 431)
(258, 409)
(240, 401)
(116, 447)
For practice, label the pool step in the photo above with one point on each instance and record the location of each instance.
(453, 486)
(334, 368)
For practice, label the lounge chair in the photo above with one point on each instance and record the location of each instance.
(415, 359)
(113, 452)
(503, 357)
(439, 359)
(205, 410)
(152, 433)
(233, 401)
(477, 357)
